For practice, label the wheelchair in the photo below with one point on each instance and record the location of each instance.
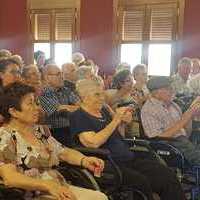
(163, 151)
(110, 181)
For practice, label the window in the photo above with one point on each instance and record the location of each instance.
(53, 33)
(128, 51)
(148, 33)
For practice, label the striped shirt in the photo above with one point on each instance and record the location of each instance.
(158, 117)
(51, 99)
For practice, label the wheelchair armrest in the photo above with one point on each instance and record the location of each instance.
(102, 153)
(136, 141)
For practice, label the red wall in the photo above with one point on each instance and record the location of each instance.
(191, 32)
(14, 33)
(96, 28)
(96, 32)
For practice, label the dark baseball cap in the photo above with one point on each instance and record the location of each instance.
(158, 83)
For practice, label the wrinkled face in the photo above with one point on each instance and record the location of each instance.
(127, 83)
(11, 74)
(184, 71)
(69, 72)
(141, 76)
(29, 113)
(54, 77)
(33, 77)
(95, 97)
(165, 94)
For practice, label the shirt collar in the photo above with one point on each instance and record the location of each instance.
(161, 103)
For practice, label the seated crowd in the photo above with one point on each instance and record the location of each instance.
(45, 111)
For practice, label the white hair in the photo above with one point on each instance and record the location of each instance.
(78, 58)
(85, 86)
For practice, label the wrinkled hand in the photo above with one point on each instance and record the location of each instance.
(123, 113)
(92, 162)
(60, 192)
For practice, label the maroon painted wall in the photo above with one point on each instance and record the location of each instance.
(96, 32)
(191, 30)
(14, 33)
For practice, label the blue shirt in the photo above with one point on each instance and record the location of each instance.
(81, 121)
(50, 100)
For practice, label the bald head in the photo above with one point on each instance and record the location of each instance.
(69, 71)
(53, 76)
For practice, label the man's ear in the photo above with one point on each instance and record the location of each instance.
(13, 112)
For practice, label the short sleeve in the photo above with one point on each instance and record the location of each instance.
(79, 123)
(7, 147)
(56, 147)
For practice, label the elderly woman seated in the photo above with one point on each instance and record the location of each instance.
(122, 95)
(34, 155)
(92, 126)
(140, 91)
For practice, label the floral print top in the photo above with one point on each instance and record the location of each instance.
(35, 161)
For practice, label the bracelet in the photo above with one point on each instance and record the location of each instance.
(82, 159)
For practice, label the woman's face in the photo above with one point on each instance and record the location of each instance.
(95, 97)
(29, 113)
(33, 77)
(11, 74)
(127, 83)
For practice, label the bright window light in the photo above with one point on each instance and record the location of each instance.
(63, 53)
(45, 47)
(159, 60)
(131, 54)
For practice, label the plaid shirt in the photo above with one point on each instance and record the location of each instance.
(50, 99)
(158, 117)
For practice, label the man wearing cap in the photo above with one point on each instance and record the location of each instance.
(161, 117)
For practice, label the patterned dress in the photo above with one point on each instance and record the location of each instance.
(32, 160)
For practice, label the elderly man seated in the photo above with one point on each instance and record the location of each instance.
(93, 126)
(57, 101)
(180, 79)
(161, 117)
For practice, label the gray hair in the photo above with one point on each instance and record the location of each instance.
(185, 60)
(5, 53)
(83, 71)
(87, 85)
(78, 58)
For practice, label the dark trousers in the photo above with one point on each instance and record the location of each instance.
(151, 177)
(62, 135)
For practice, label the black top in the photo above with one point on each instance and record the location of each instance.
(81, 121)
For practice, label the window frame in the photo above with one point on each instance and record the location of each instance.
(125, 5)
(52, 12)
